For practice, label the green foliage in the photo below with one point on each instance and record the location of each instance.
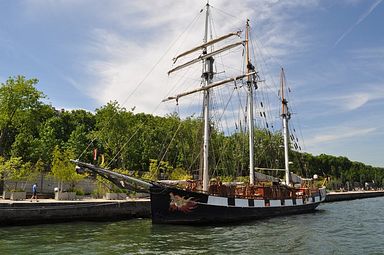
(62, 169)
(113, 130)
(157, 168)
(180, 174)
(2, 166)
(333, 184)
(244, 179)
(39, 166)
(104, 185)
(226, 178)
(18, 98)
(122, 171)
(15, 170)
(78, 191)
(161, 147)
(154, 172)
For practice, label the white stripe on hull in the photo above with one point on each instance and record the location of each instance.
(259, 203)
(288, 202)
(240, 202)
(220, 201)
(274, 203)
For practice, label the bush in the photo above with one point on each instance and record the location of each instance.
(156, 169)
(63, 170)
(180, 174)
(17, 171)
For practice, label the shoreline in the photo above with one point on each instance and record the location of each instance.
(48, 210)
(335, 196)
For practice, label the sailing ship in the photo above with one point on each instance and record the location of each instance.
(205, 202)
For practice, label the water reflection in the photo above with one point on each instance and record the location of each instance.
(351, 227)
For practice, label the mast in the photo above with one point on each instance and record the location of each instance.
(250, 68)
(286, 115)
(207, 76)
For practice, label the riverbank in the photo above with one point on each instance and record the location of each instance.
(351, 195)
(50, 210)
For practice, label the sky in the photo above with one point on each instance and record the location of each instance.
(86, 53)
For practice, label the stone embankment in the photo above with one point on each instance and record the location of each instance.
(350, 195)
(50, 210)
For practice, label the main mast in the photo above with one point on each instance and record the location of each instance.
(250, 68)
(207, 75)
(286, 115)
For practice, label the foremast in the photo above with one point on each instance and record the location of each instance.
(207, 76)
(285, 115)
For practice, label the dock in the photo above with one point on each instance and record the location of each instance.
(351, 195)
(50, 211)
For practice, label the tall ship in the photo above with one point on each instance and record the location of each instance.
(210, 201)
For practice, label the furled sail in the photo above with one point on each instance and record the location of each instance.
(202, 57)
(212, 85)
(204, 45)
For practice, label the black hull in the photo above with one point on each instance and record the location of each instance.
(199, 211)
(171, 205)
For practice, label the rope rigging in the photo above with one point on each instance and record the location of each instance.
(221, 105)
(138, 86)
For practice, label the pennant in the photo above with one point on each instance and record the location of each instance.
(95, 154)
(102, 160)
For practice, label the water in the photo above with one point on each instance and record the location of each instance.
(350, 227)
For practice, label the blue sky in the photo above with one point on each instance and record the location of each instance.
(86, 53)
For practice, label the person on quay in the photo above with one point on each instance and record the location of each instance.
(34, 192)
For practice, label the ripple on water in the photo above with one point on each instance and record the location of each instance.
(351, 227)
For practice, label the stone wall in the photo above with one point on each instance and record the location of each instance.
(20, 213)
(46, 184)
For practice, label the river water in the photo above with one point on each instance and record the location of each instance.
(349, 227)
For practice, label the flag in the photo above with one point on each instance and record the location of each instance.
(95, 154)
(102, 160)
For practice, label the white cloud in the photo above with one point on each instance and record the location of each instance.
(336, 133)
(355, 101)
(345, 103)
(341, 102)
(121, 41)
(120, 62)
(125, 39)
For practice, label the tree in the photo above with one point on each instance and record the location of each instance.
(62, 169)
(78, 141)
(17, 95)
(113, 130)
(156, 169)
(46, 142)
(27, 128)
(16, 170)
